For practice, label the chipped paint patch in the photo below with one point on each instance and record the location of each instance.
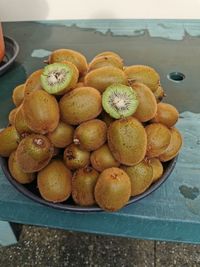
(40, 53)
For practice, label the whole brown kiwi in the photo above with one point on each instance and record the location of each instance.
(62, 136)
(174, 147)
(127, 141)
(79, 105)
(11, 116)
(18, 95)
(103, 77)
(166, 114)
(41, 112)
(20, 123)
(157, 168)
(159, 94)
(147, 107)
(17, 173)
(141, 177)
(158, 139)
(76, 158)
(9, 140)
(54, 182)
(83, 184)
(102, 159)
(34, 152)
(102, 61)
(33, 82)
(108, 53)
(90, 135)
(113, 189)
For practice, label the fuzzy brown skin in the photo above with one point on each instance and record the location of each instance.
(20, 122)
(41, 112)
(108, 53)
(76, 158)
(83, 184)
(113, 189)
(105, 76)
(79, 105)
(141, 176)
(34, 152)
(16, 171)
(33, 82)
(103, 61)
(54, 182)
(166, 114)
(159, 94)
(158, 139)
(174, 147)
(147, 107)
(127, 141)
(90, 135)
(157, 168)
(11, 116)
(9, 140)
(102, 159)
(18, 95)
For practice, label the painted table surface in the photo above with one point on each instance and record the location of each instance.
(173, 211)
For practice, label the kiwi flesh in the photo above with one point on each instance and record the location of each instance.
(158, 139)
(11, 116)
(147, 107)
(103, 77)
(83, 184)
(58, 78)
(79, 105)
(9, 140)
(108, 60)
(102, 159)
(141, 177)
(33, 82)
(17, 173)
(90, 135)
(75, 157)
(62, 136)
(54, 182)
(34, 152)
(120, 101)
(127, 141)
(41, 112)
(113, 189)
(73, 56)
(174, 147)
(166, 114)
(143, 74)
(157, 168)
(18, 95)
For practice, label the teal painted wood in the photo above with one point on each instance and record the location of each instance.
(173, 211)
(7, 237)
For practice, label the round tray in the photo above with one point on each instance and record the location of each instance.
(31, 191)
(11, 52)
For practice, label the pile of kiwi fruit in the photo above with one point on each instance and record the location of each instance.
(96, 132)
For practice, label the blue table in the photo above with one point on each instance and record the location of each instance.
(173, 211)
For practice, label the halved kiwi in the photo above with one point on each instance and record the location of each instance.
(119, 101)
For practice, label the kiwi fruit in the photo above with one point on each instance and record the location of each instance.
(119, 101)
(174, 147)
(80, 84)
(73, 56)
(143, 74)
(75, 157)
(34, 152)
(106, 118)
(90, 135)
(18, 95)
(62, 136)
(141, 177)
(59, 78)
(9, 140)
(108, 60)
(83, 184)
(54, 182)
(147, 107)
(103, 77)
(102, 159)
(33, 82)
(20, 123)
(166, 114)
(11, 116)
(127, 141)
(113, 189)
(157, 168)
(159, 94)
(17, 173)
(79, 105)
(158, 139)
(108, 53)
(41, 112)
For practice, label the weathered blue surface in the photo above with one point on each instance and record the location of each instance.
(173, 211)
